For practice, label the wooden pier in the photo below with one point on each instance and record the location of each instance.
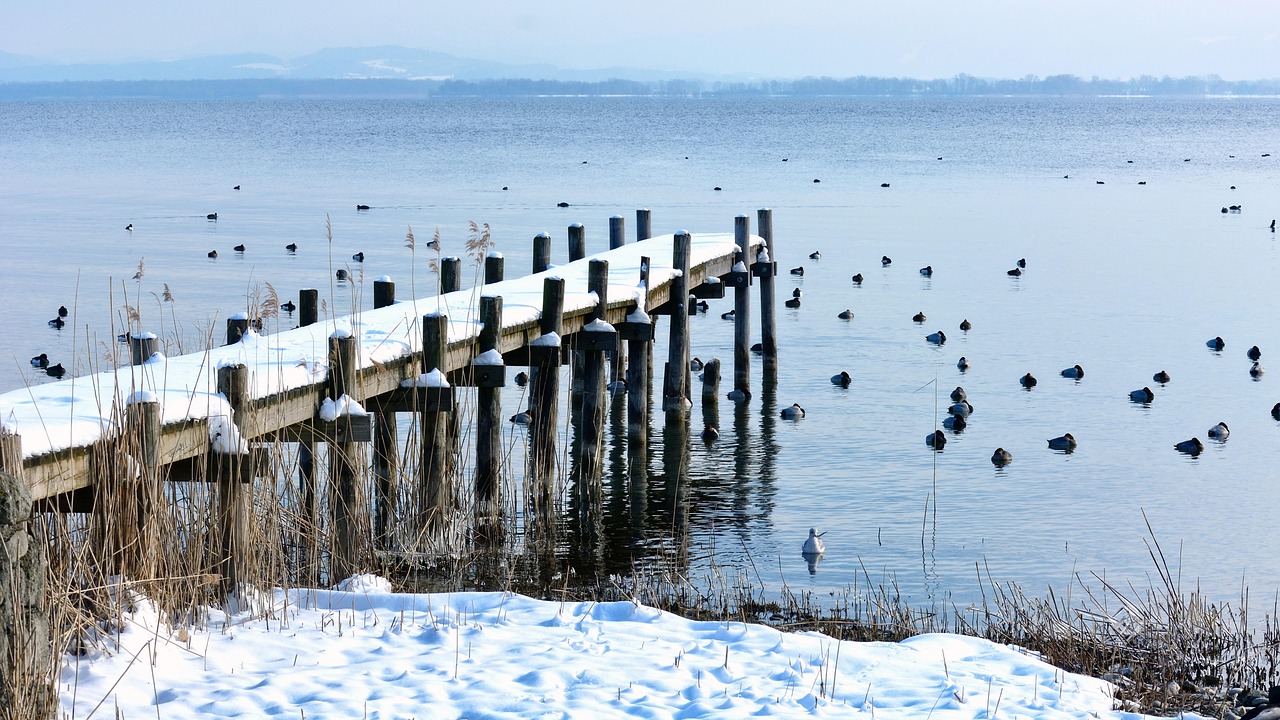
(210, 416)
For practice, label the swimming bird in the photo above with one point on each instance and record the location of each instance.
(1275, 411)
(1161, 377)
(358, 257)
(1273, 226)
(1064, 442)
(716, 188)
(1142, 396)
(1014, 272)
(955, 423)
(961, 409)
(57, 323)
(129, 227)
(291, 247)
(936, 338)
(936, 440)
(857, 279)
(236, 187)
(1219, 431)
(1022, 262)
(522, 418)
(884, 184)
(796, 293)
(342, 274)
(710, 434)
(739, 395)
(1256, 371)
(795, 412)
(702, 305)
(918, 317)
(1001, 457)
(815, 255)
(617, 387)
(522, 378)
(1191, 447)
(965, 325)
(362, 207)
(1216, 343)
(1028, 381)
(1076, 372)
(927, 271)
(1254, 353)
(238, 248)
(40, 361)
(797, 271)
(211, 216)
(959, 395)
(814, 545)
(885, 261)
(288, 306)
(63, 312)
(845, 314)
(696, 364)
(434, 245)
(727, 315)
(962, 363)
(55, 371)
(213, 253)
(792, 302)
(842, 379)
(757, 348)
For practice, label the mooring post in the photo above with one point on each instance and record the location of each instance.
(237, 326)
(142, 346)
(450, 274)
(545, 356)
(488, 476)
(742, 312)
(675, 393)
(386, 445)
(541, 252)
(644, 224)
(230, 467)
(639, 349)
(309, 314)
(617, 231)
(437, 494)
(451, 281)
(308, 307)
(767, 262)
(493, 267)
(577, 242)
(593, 374)
(711, 397)
(137, 497)
(346, 499)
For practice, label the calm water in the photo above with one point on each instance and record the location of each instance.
(1122, 278)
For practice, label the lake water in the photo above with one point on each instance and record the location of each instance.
(1122, 278)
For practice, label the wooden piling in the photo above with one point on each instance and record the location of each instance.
(141, 347)
(617, 231)
(435, 480)
(742, 313)
(133, 496)
(541, 252)
(593, 373)
(233, 495)
(237, 326)
(451, 281)
(711, 395)
(675, 394)
(644, 225)
(494, 264)
(639, 369)
(577, 242)
(309, 314)
(768, 313)
(308, 307)
(545, 392)
(346, 501)
(450, 274)
(488, 476)
(386, 445)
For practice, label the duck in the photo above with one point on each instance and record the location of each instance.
(40, 361)
(1190, 447)
(936, 440)
(1256, 371)
(815, 255)
(63, 312)
(702, 305)
(727, 315)
(797, 293)
(1275, 411)
(342, 274)
(795, 412)
(1028, 381)
(1001, 457)
(213, 253)
(288, 306)
(1219, 431)
(291, 247)
(965, 325)
(857, 279)
(710, 434)
(961, 409)
(962, 363)
(617, 387)
(366, 207)
(1075, 372)
(927, 271)
(936, 338)
(814, 545)
(1161, 377)
(959, 395)
(792, 302)
(211, 216)
(522, 378)
(757, 348)
(739, 395)
(522, 418)
(845, 314)
(1142, 396)
(1216, 343)
(358, 257)
(797, 271)
(955, 423)
(236, 187)
(1064, 442)
(238, 248)
(843, 379)
(918, 318)
(885, 261)
(1022, 262)
(1253, 354)
(129, 227)
(57, 323)
(55, 371)
(1016, 272)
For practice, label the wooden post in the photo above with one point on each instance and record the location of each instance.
(617, 231)
(308, 307)
(541, 252)
(593, 395)
(493, 267)
(386, 445)
(451, 281)
(450, 274)
(132, 493)
(711, 395)
(309, 314)
(644, 225)
(488, 477)
(233, 499)
(742, 313)
(435, 469)
(142, 346)
(11, 453)
(346, 501)
(577, 242)
(639, 369)
(675, 393)
(768, 314)
(237, 326)
(544, 395)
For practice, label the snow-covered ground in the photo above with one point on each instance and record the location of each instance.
(363, 651)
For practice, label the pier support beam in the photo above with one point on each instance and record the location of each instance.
(309, 314)
(541, 252)
(347, 508)
(742, 313)
(494, 266)
(593, 395)
(488, 476)
(233, 496)
(638, 330)
(617, 238)
(644, 224)
(386, 445)
(141, 347)
(577, 242)
(768, 311)
(675, 394)
(545, 383)
(437, 455)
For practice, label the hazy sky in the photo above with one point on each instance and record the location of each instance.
(1237, 39)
